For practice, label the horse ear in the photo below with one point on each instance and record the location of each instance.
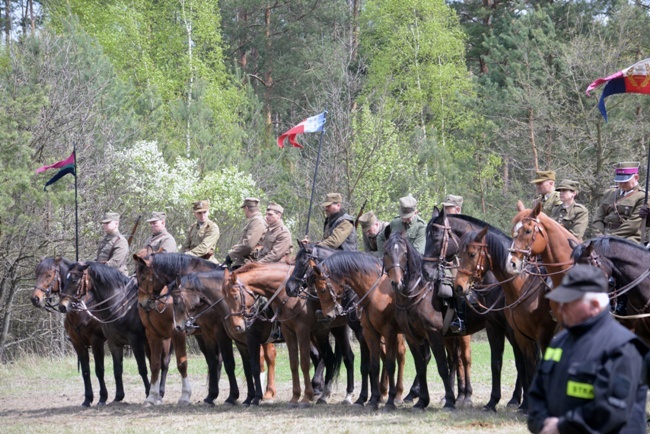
(589, 247)
(481, 235)
(137, 259)
(57, 260)
(317, 271)
(178, 282)
(536, 210)
(387, 232)
(300, 244)
(573, 244)
(226, 274)
(520, 206)
(232, 278)
(435, 213)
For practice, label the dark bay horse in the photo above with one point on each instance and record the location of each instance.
(527, 310)
(362, 273)
(418, 312)
(199, 302)
(310, 254)
(298, 321)
(82, 329)
(157, 270)
(113, 305)
(443, 235)
(627, 264)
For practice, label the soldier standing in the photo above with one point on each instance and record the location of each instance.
(573, 216)
(251, 235)
(160, 238)
(338, 229)
(546, 194)
(371, 226)
(618, 213)
(113, 248)
(409, 223)
(277, 244)
(203, 235)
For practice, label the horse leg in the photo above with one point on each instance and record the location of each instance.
(331, 358)
(415, 387)
(253, 365)
(292, 348)
(318, 359)
(530, 350)
(83, 358)
(390, 338)
(496, 338)
(165, 359)
(97, 346)
(421, 371)
(520, 363)
(365, 368)
(437, 344)
(210, 353)
(270, 354)
(374, 352)
(465, 369)
(401, 362)
(117, 353)
(179, 340)
(226, 355)
(348, 359)
(156, 347)
(303, 342)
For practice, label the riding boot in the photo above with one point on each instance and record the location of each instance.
(458, 324)
(621, 305)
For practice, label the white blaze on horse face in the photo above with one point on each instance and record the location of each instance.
(515, 231)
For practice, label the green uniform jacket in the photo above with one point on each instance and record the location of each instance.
(113, 250)
(370, 243)
(201, 240)
(574, 218)
(415, 233)
(277, 243)
(251, 235)
(339, 233)
(619, 215)
(549, 203)
(163, 240)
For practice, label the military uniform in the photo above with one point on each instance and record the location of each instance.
(163, 240)
(113, 250)
(618, 214)
(415, 232)
(202, 239)
(549, 202)
(253, 231)
(339, 233)
(370, 244)
(574, 218)
(277, 244)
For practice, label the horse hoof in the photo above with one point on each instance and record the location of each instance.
(267, 401)
(85, 404)
(101, 403)
(305, 405)
(208, 402)
(513, 403)
(389, 408)
(293, 405)
(359, 404)
(321, 401)
(417, 408)
(409, 398)
(489, 408)
(346, 402)
(449, 408)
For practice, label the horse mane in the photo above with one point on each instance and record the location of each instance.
(476, 222)
(413, 257)
(604, 246)
(47, 263)
(498, 244)
(343, 263)
(106, 277)
(194, 279)
(255, 265)
(172, 263)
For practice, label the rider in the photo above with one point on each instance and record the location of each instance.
(113, 248)
(453, 205)
(203, 235)
(409, 223)
(251, 236)
(160, 238)
(338, 228)
(546, 194)
(573, 216)
(371, 226)
(277, 245)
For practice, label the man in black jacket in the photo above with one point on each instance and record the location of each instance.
(590, 379)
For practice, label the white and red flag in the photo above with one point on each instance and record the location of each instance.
(313, 124)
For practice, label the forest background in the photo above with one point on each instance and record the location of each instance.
(177, 100)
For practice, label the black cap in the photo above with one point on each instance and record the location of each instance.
(577, 282)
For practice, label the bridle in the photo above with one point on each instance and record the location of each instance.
(190, 321)
(48, 292)
(527, 252)
(479, 269)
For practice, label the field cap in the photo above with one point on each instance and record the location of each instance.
(367, 220)
(452, 200)
(577, 282)
(331, 198)
(156, 216)
(568, 184)
(543, 175)
(625, 171)
(272, 206)
(111, 217)
(201, 205)
(407, 206)
(251, 202)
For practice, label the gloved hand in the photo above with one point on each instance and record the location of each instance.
(227, 262)
(644, 211)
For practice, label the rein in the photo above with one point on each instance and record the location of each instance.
(83, 290)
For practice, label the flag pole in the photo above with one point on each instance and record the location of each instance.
(313, 183)
(76, 207)
(645, 201)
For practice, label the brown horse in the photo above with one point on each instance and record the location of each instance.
(534, 234)
(296, 316)
(199, 302)
(82, 329)
(375, 308)
(527, 310)
(110, 298)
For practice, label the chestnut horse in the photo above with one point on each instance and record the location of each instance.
(626, 264)
(199, 303)
(112, 303)
(441, 249)
(157, 270)
(527, 310)
(82, 329)
(298, 322)
(534, 234)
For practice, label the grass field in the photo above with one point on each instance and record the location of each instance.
(43, 395)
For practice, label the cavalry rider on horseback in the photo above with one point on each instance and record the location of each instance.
(338, 229)
(113, 248)
(160, 239)
(453, 205)
(203, 235)
(371, 227)
(251, 236)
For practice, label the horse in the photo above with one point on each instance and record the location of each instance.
(626, 265)
(112, 303)
(443, 235)
(363, 274)
(418, 311)
(82, 329)
(527, 309)
(310, 254)
(154, 272)
(298, 322)
(199, 303)
(535, 233)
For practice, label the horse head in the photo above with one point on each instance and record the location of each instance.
(298, 278)
(76, 286)
(325, 291)
(149, 282)
(437, 240)
(49, 274)
(473, 258)
(529, 238)
(235, 294)
(402, 263)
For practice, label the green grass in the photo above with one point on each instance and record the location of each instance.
(43, 395)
